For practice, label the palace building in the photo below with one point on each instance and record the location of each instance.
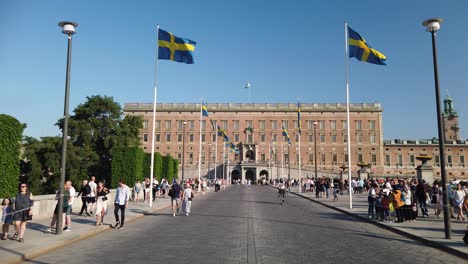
(256, 130)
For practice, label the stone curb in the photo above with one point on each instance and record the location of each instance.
(427, 242)
(60, 244)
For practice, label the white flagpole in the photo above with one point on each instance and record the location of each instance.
(224, 156)
(154, 118)
(282, 157)
(199, 147)
(300, 174)
(228, 171)
(347, 119)
(216, 151)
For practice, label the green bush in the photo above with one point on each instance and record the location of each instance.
(168, 168)
(127, 164)
(11, 133)
(157, 172)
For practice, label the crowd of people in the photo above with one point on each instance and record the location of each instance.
(397, 200)
(94, 196)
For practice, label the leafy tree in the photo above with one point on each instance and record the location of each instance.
(95, 129)
(11, 131)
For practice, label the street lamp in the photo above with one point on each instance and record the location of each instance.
(183, 150)
(68, 28)
(432, 25)
(315, 148)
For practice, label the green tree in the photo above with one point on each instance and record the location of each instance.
(127, 164)
(95, 129)
(11, 132)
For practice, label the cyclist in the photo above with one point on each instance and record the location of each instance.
(281, 190)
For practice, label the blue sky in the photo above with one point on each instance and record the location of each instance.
(286, 49)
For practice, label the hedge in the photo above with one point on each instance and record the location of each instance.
(11, 133)
(127, 164)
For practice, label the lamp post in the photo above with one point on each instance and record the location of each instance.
(433, 25)
(183, 150)
(315, 149)
(68, 28)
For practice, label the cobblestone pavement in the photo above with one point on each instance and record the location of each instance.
(248, 224)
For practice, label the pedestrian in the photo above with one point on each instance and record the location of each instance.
(407, 198)
(122, 195)
(7, 217)
(397, 204)
(101, 203)
(386, 205)
(22, 207)
(421, 195)
(174, 193)
(459, 198)
(147, 186)
(85, 192)
(65, 202)
(372, 194)
(72, 191)
(335, 194)
(92, 195)
(187, 196)
(137, 189)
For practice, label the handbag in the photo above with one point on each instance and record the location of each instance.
(104, 198)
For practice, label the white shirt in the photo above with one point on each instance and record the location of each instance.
(72, 195)
(93, 186)
(122, 195)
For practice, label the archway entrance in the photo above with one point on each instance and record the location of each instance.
(264, 175)
(250, 175)
(235, 175)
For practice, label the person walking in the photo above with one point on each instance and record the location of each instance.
(92, 195)
(422, 197)
(459, 198)
(371, 200)
(70, 205)
(174, 193)
(22, 207)
(85, 192)
(101, 203)
(137, 189)
(7, 217)
(122, 195)
(187, 196)
(65, 202)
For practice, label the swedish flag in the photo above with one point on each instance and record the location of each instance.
(286, 134)
(361, 50)
(205, 110)
(175, 48)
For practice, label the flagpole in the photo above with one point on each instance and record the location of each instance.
(216, 152)
(347, 119)
(224, 156)
(299, 124)
(227, 176)
(282, 158)
(200, 146)
(154, 118)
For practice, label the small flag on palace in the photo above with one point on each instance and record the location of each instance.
(286, 134)
(299, 117)
(175, 48)
(204, 110)
(361, 50)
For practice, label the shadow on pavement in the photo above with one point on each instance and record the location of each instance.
(36, 226)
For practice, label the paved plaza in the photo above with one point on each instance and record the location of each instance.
(247, 224)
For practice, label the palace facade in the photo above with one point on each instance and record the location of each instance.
(256, 130)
